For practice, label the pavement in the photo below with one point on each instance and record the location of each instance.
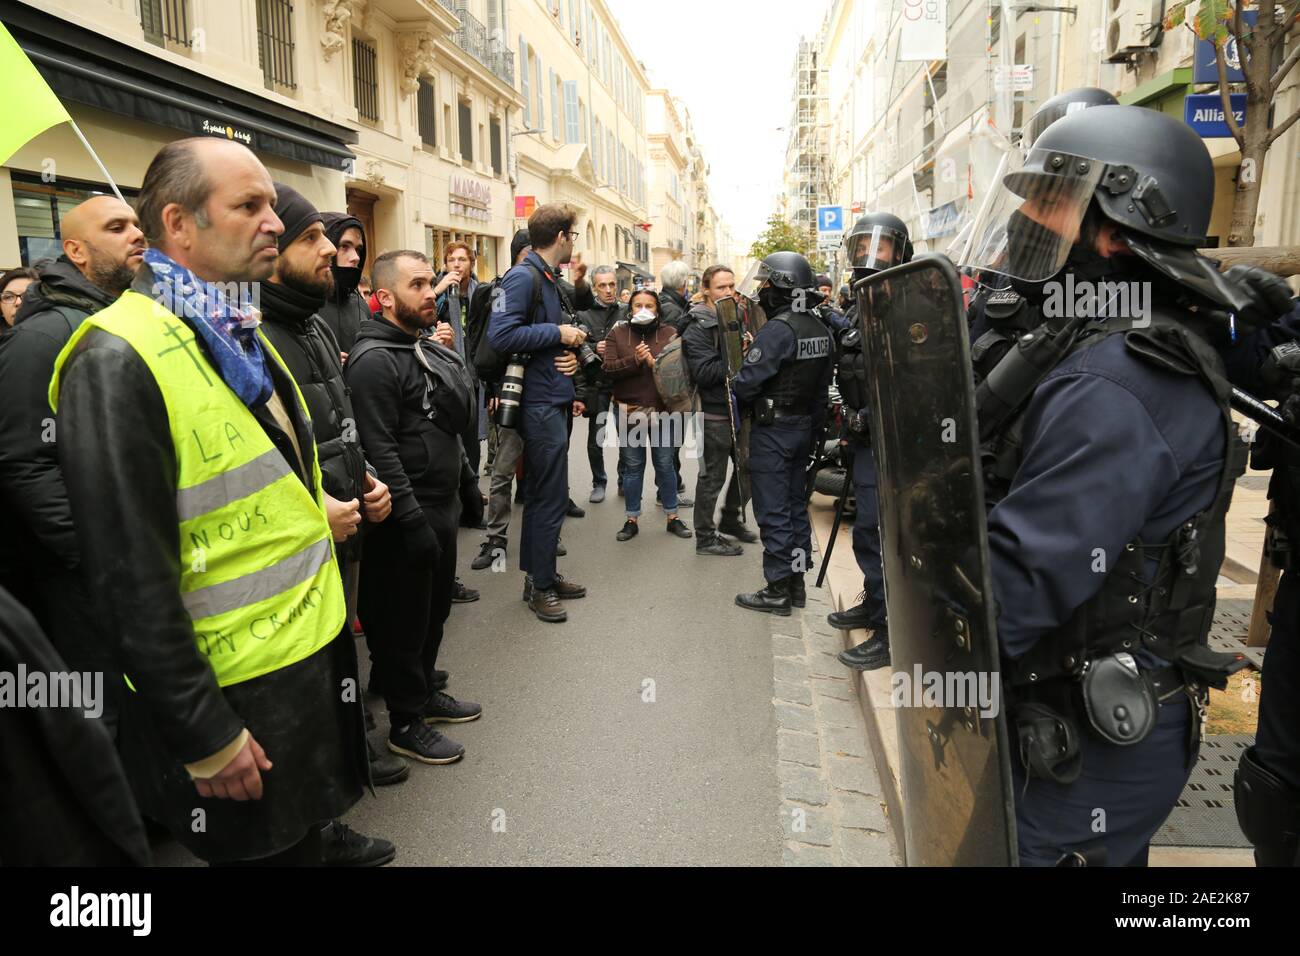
(647, 730)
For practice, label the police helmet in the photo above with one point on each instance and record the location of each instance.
(876, 242)
(1062, 104)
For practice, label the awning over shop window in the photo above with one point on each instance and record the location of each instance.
(88, 68)
(635, 270)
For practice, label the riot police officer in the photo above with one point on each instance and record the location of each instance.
(1109, 481)
(998, 313)
(784, 381)
(876, 242)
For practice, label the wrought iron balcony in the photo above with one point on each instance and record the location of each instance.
(472, 37)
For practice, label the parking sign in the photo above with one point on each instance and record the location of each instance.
(830, 219)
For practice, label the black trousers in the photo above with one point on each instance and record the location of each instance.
(546, 489)
(1277, 742)
(405, 603)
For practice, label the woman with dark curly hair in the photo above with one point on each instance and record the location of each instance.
(13, 285)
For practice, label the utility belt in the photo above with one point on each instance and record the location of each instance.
(1113, 699)
(768, 410)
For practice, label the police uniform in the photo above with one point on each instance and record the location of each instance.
(786, 375)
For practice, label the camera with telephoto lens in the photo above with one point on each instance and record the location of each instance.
(588, 358)
(511, 393)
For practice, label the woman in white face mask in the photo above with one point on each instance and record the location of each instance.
(630, 352)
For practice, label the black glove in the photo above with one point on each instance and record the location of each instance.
(1270, 297)
(471, 505)
(420, 541)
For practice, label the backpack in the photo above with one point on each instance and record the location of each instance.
(490, 366)
(673, 378)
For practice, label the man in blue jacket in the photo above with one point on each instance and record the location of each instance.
(532, 320)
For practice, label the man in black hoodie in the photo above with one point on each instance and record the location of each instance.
(102, 247)
(345, 307)
(414, 399)
(289, 303)
(598, 320)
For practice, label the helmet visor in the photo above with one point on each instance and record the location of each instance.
(875, 247)
(1034, 215)
(753, 281)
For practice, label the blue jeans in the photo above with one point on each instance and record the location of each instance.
(661, 453)
(545, 431)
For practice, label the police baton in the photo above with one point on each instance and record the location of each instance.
(840, 502)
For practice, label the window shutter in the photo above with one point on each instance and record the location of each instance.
(555, 108)
(572, 134)
(523, 82)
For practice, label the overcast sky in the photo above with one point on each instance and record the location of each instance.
(731, 62)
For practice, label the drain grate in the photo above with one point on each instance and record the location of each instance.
(1231, 624)
(1205, 815)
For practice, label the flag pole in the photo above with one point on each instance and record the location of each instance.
(95, 156)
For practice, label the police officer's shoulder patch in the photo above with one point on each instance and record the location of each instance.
(754, 354)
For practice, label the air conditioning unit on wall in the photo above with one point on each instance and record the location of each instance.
(1131, 25)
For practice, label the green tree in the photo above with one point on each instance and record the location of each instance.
(781, 235)
(1261, 51)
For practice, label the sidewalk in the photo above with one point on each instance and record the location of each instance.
(1245, 534)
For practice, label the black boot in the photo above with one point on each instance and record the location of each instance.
(870, 655)
(850, 618)
(798, 594)
(773, 599)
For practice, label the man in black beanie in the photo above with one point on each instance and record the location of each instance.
(290, 303)
(345, 307)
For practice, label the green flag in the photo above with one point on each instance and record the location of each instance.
(29, 106)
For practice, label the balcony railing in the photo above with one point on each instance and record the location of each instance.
(472, 37)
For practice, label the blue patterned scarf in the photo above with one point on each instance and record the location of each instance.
(229, 328)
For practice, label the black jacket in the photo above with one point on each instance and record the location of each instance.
(119, 462)
(598, 320)
(704, 359)
(673, 309)
(65, 799)
(345, 308)
(30, 483)
(422, 462)
(312, 355)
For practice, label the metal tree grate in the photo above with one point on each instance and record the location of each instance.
(1206, 815)
(1231, 624)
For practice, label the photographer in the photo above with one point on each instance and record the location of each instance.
(516, 327)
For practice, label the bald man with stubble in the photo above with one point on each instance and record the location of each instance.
(102, 248)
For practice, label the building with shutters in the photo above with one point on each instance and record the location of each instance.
(580, 137)
(396, 110)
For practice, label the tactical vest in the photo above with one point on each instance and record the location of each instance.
(1009, 316)
(256, 556)
(799, 379)
(1169, 615)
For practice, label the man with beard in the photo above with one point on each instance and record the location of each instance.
(196, 493)
(345, 305)
(414, 399)
(290, 301)
(102, 248)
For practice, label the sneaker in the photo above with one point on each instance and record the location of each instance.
(340, 845)
(386, 768)
(574, 511)
(718, 545)
(546, 606)
(738, 531)
(442, 708)
(678, 527)
(629, 530)
(463, 595)
(440, 679)
(421, 742)
(488, 552)
(564, 590)
(597, 494)
(560, 549)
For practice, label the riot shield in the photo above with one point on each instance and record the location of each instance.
(731, 333)
(958, 807)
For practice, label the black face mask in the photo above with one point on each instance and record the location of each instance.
(346, 280)
(774, 300)
(1029, 243)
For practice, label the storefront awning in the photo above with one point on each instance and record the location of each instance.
(634, 269)
(83, 67)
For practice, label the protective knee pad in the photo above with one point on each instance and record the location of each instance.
(1268, 812)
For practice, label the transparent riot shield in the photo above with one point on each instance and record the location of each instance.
(946, 688)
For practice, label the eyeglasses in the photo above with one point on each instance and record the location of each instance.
(11, 297)
(573, 235)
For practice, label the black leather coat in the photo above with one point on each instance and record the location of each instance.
(116, 451)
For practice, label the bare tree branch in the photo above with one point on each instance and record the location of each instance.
(1246, 43)
(1292, 59)
(1281, 128)
(1226, 99)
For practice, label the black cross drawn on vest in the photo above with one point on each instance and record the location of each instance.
(173, 332)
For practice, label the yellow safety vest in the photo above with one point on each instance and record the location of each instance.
(258, 573)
